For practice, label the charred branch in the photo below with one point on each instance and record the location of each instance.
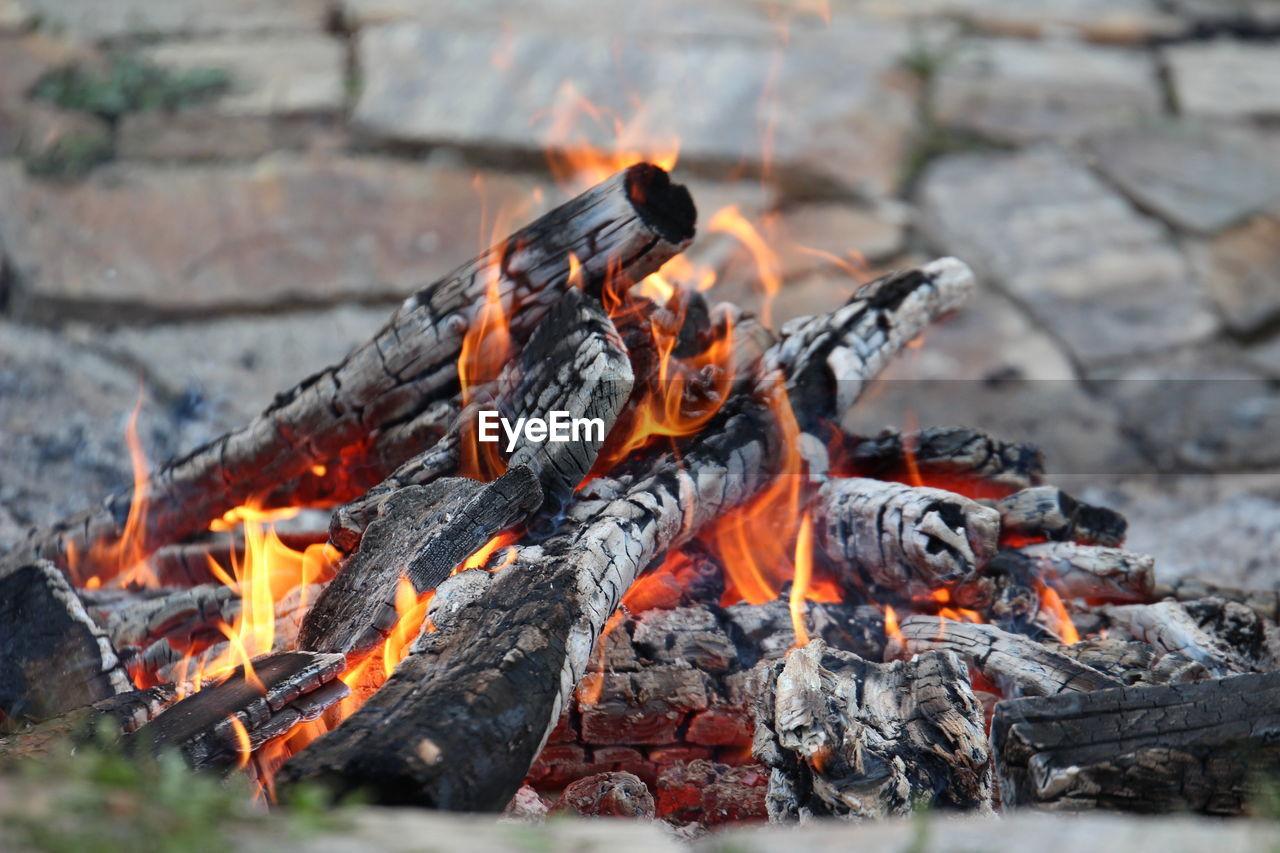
(1048, 512)
(949, 452)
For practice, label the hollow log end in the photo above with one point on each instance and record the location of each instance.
(664, 206)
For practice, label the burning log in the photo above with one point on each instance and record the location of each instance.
(1169, 626)
(1050, 513)
(1016, 664)
(574, 364)
(1196, 746)
(53, 656)
(520, 639)
(392, 395)
(943, 453)
(906, 539)
(850, 738)
(1091, 572)
(181, 615)
(250, 707)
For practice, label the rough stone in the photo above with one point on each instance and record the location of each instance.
(24, 59)
(988, 367)
(1224, 529)
(229, 369)
(1106, 280)
(1108, 21)
(63, 414)
(1241, 269)
(282, 88)
(1198, 177)
(831, 107)
(1019, 92)
(1198, 409)
(135, 241)
(91, 20)
(1225, 79)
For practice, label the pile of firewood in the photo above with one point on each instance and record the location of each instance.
(948, 669)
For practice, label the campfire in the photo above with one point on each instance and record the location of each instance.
(595, 538)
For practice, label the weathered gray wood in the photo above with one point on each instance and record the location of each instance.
(1092, 572)
(1018, 665)
(184, 614)
(902, 538)
(1198, 746)
(1169, 626)
(509, 647)
(628, 225)
(53, 656)
(849, 738)
(1134, 662)
(1264, 602)
(1050, 513)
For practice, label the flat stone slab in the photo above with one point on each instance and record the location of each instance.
(1225, 79)
(229, 369)
(139, 241)
(1241, 269)
(1102, 277)
(1104, 21)
(1018, 92)
(832, 106)
(144, 19)
(63, 413)
(1198, 177)
(1198, 409)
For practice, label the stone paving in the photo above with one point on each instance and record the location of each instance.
(1111, 168)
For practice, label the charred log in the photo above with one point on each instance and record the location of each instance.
(1170, 626)
(1016, 664)
(1133, 662)
(630, 224)
(1198, 746)
(1091, 572)
(1048, 512)
(949, 452)
(901, 538)
(849, 738)
(53, 656)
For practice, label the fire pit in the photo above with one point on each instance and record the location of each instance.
(594, 539)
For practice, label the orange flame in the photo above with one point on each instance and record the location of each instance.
(891, 628)
(243, 745)
(729, 220)
(803, 577)
(1052, 608)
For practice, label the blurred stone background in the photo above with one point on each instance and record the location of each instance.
(226, 195)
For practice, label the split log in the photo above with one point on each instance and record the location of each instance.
(1091, 572)
(216, 726)
(1199, 746)
(1048, 512)
(509, 649)
(1134, 662)
(901, 538)
(948, 453)
(1018, 665)
(53, 656)
(422, 533)
(576, 364)
(849, 738)
(628, 225)
(1169, 626)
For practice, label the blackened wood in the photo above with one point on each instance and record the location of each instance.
(53, 656)
(952, 452)
(1016, 664)
(1134, 662)
(282, 690)
(574, 363)
(182, 615)
(422, 533)
(902, 538)
(509, 647)
(849, 738)
(1050, 513)
(1199, 746)
(628, 225)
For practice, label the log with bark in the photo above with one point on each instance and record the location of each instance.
(849, 738)
(511, 646)
(1201, 746)
(53, 656)
(394, 395)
